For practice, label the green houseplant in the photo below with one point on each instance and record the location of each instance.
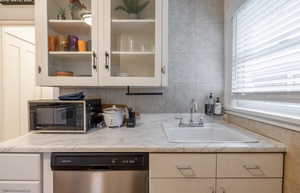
(133, 8)
(61, 13)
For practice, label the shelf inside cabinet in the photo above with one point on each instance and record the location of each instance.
(132, 53)
(133, 21)
(133, 25)
(69, 54)
(69, 26)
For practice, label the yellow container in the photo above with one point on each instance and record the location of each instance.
(82, 46)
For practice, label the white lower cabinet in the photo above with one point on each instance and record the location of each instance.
(20, 167)
(20, 173)
(249, 186)
(182, 185)
(20, 187)
(216, 173)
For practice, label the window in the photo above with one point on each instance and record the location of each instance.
(266, 57)
(267, 47)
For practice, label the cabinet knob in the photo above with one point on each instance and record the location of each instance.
(94, 61)
(39, 69)
(106, 60)
(163, 69)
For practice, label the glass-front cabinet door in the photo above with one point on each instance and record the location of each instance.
(67, 42)
(132, 43)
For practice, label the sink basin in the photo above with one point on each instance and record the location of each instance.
(210, 133)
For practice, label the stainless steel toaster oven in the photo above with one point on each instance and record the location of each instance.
(58, 116)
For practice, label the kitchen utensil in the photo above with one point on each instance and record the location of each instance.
(113, 117)
(64, 74)
(73, 41)
(82, 46)
(63, 43)
(52, 43)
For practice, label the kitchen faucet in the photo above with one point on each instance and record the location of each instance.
(192, 123)
(193, 110)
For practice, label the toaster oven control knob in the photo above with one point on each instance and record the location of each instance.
(132, 161)
(114, 161)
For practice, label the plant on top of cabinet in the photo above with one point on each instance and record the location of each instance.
(133, 8)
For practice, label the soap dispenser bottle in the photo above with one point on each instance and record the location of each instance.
(218, 110)
(210, 106)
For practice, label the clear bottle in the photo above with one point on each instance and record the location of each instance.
(210, 106)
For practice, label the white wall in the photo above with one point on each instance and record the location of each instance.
(16, 13)
(230, 6)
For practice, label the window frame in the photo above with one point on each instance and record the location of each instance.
(286, 121)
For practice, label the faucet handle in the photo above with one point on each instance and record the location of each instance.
(180, 119)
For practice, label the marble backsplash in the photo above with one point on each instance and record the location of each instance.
(196, 44)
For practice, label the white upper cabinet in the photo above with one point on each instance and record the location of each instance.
(133, 44)
(112, 48)
(66, 47)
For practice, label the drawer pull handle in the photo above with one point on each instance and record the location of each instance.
(12, 190)
(254, 170)
(186, 170)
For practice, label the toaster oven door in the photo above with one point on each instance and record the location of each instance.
(57, 117)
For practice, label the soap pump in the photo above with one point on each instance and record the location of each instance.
(209, 107)
(218, 110)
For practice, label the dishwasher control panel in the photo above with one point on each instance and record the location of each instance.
(99, 161)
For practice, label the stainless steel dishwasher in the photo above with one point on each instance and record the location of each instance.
(100, 172)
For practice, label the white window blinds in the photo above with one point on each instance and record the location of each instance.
(266, 53)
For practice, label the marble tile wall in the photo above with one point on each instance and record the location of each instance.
(196, 36)
(286, 136)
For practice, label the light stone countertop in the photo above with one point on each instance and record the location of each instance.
(148, 136)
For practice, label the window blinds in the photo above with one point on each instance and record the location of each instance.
(266, 47)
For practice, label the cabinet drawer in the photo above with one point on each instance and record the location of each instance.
(182, 165)
(182, 185)
(20, 167)
(250, 165)
(20, 187)
(250, 185)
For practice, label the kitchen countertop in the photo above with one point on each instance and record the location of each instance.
(148, 136)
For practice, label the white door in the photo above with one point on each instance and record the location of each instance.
(132, 52)
(53, 61)
(18, 79)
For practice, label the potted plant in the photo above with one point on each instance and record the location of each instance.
(76, 8)
(133, 8)
(61, 13)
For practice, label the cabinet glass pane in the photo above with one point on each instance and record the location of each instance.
(70, 38)
(133, 38)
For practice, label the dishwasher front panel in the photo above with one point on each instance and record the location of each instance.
(100, 181)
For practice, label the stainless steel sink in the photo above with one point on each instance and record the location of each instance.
(210, 133)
